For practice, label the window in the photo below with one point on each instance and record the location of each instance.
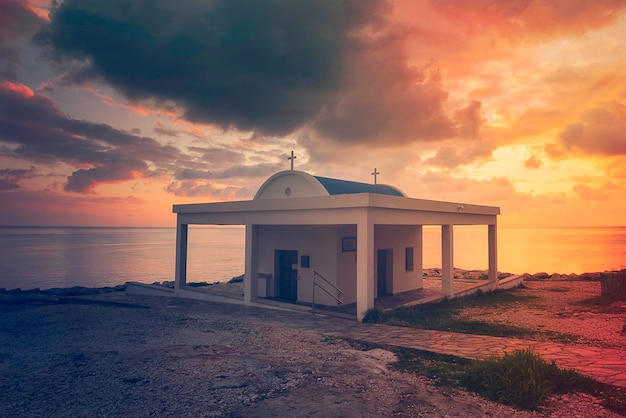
(408, 258)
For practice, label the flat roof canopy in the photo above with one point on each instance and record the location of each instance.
(337, 209)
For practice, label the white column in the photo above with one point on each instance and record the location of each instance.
(447, 260)
(251, 277)
(418, 255)
(182, 232)
(493, 255)
(364, 266)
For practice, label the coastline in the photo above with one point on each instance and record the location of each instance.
(429, 273)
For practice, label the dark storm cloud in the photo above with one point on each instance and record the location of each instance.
(34, 129)
(18, 22)
(270, 66)
(87, 179)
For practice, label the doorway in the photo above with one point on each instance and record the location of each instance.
(286, 276)
(384, 272)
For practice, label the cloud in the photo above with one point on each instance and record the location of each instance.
(529, 19)
(338, 69)
(453, 156)
(160, 128)
(496, 191)
(533, 163)
(387, 102)
(608, 191)
(34, 129)
(18, 21)
(218, 156)
(469, 120)
(10, 178)
(83, 180)
(198, 188)
(258, 170)
(49, 207)
(600, 131)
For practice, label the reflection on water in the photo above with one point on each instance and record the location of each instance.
(532, 250)
(62, 257)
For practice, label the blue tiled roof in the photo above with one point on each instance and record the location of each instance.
(335, 186)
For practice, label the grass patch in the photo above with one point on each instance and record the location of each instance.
(521, 379)
(443, 316)
(442, 369)
(374, 316)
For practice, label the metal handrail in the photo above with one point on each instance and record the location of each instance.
(327, 292)
(339, 291)
(315, 273)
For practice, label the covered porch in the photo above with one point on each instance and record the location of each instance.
(372, 217)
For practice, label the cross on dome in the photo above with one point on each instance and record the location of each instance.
(375, 173)
(291, 158)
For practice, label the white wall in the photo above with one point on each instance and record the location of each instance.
(323, 244)
(318, 242)
(397, 238)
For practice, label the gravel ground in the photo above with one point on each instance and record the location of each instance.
(556, 306)
(118, 355)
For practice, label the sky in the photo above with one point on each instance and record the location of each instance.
(111, 111)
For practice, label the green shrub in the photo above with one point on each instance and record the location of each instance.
(374, 316)
(521, 378)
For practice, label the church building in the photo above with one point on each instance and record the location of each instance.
(321, 241)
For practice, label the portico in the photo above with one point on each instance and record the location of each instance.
(363, 239)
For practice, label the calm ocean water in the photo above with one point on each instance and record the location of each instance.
(62, 257)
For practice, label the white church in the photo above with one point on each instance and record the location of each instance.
(320, 241)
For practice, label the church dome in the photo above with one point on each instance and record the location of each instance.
(286, 184)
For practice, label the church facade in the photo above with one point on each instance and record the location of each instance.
(317, 240)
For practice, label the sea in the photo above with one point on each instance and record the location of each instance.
(48, 257)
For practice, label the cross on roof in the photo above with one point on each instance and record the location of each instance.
(291, 158)
(375, 173)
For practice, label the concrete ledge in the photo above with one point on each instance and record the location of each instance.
(511, 281)
(193, 293)
(502, 284)
(142, 289)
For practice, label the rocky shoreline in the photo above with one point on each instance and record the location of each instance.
(428, 273)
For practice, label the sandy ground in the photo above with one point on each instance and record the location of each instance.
(119, 355)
